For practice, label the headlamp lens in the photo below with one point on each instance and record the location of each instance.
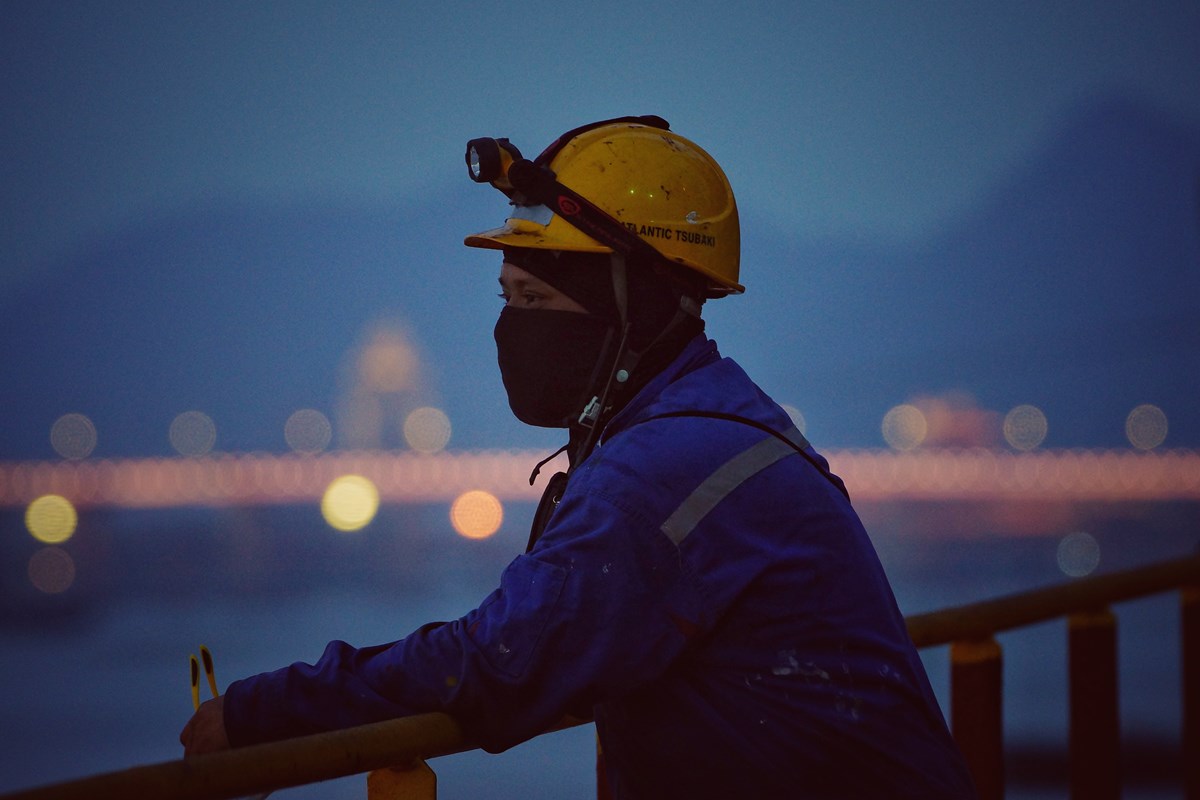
(473, 162)
(483, 160)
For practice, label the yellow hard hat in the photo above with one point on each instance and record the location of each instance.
(648, 179)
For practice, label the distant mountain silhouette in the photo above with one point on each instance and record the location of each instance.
(245, 313)
(1074, 285)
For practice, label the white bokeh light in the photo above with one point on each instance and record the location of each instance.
(1078, 554)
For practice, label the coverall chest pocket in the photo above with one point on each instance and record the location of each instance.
(512, 622)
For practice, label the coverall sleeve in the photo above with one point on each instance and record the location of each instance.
(602, 605)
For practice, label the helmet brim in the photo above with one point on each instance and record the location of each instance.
(536, 239)
(531, 237)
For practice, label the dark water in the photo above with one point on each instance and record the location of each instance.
(96, 680)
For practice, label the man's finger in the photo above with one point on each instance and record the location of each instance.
(185, 735)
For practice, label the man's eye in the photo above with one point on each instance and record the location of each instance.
(503, 296)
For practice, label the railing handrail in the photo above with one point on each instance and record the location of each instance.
(325, 756)
(982, 619)
(265, 767)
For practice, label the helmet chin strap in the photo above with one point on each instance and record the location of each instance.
(595, 414)
(584, 432)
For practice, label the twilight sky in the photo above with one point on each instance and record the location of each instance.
(868, 125)
(872, 118)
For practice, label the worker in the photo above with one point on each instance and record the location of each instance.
(696, 580)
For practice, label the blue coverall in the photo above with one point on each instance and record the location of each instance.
(703, 590)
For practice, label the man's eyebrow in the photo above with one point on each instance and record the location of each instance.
(531, 281)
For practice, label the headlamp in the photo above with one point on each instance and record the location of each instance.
(488, 160)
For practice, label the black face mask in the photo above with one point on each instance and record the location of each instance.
(549, 360)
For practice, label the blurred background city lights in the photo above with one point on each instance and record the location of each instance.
(476, 514)
(73, 436)
(51, 519)
(350, 503)
(308, 431)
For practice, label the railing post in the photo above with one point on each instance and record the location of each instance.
(1190, 633)
(415, 782)
(976, 714)
(1095, 737)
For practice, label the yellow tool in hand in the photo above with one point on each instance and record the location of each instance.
(209, 673)
(206, 657)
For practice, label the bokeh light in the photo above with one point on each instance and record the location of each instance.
(388, 363)
(955, 419)
(51, 519)
(73, 436)
(904, 427)
(307, 431)
(192, 433)
(476, 514)
(796, 417)
(427, 429)
(1146, 427)
(1078, 554)
(350, 503)
(51, 570)
(1025, 427)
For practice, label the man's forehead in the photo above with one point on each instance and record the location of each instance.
(511, 273)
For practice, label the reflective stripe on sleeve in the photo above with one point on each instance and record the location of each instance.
(717, 486)
(796, 437)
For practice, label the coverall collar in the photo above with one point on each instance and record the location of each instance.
(699, 352)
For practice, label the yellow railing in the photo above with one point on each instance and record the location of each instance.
(975, 705)
(1094, 748)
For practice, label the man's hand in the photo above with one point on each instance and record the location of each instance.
(205, 731)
